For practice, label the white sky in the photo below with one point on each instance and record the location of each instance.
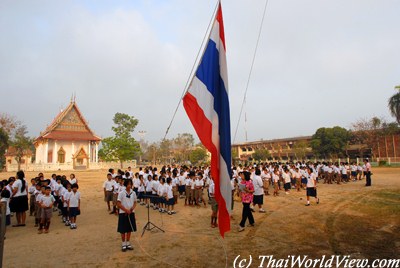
(320, 63)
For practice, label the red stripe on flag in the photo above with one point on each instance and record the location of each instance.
(203, 128)
(221, 25)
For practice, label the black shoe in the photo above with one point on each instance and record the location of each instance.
(307, 205)
(124, 248)
(129, 247)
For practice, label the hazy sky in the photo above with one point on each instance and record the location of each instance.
(320, 63)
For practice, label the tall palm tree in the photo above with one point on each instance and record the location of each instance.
(394, 104)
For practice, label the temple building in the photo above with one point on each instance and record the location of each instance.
(68, 142)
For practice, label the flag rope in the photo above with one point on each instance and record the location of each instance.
(251, 71)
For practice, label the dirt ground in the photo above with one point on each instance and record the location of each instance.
(351, 219)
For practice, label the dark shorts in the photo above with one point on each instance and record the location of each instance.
(181, 189)
(287, 186)
(73, 212)
(140, 195)
(304, 180)
(258, 199)
(126, 223)
(354, 173)
(170, 202)
(344, 176)
(311, 191)
(19, 204)
(161, 200)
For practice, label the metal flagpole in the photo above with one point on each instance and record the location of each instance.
(195, 64)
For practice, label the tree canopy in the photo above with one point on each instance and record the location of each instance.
(122, 146)
(394, 104)
(198, 155)
(261, 155)
(3, 146)
(13, 133)
(330, 142)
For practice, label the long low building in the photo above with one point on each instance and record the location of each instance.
(297, 148)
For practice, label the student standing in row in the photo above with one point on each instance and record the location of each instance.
(74, 205)
(126, 203)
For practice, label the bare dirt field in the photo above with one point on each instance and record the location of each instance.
(351, 219)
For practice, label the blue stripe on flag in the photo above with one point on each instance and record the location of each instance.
(209, 73)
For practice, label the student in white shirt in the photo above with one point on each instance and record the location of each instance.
(74, 205)
(275, 180)
(108, 187)
(188, 181)
(31, 192)
(126, 218)
(181, 185)
(65, 197)
(287, 180)
(46, 202)
(19, 203)
(214, 205)
(149, 186)
(161, 190)
(199, 184)
(5, 197)
(73, 180)
(258, 195)
(311, 186)
(170, 201)
(154, 189)
(141, 190)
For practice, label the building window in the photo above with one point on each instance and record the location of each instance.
(61, 156)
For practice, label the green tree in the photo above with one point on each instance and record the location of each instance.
(122, 146)
(182, 146)
(21, 143)
(394, 104)
(330, 142)
(3, 147)
(198, 155)
(164, 153)
(261, 155)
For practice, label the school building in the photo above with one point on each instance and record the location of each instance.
(386, 148)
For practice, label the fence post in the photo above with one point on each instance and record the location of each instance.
(389, 161)
(3, 209)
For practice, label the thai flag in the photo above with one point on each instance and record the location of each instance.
(207, 105)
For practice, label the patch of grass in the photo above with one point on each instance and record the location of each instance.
(356, 234)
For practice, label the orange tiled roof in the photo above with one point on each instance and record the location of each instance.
(52, 133)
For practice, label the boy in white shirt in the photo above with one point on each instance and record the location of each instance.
(46, 203)
(74, 205)
(31, 192)
(65, 198)
(258, 195)
(108, 190)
